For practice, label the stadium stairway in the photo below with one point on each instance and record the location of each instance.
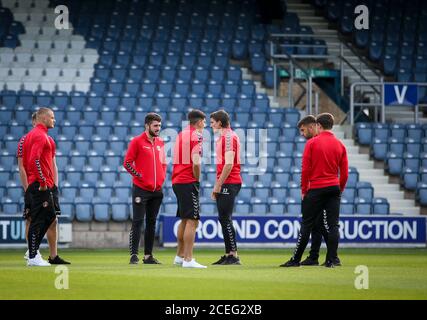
(259, 88)
(60, 53)
(320, 27)
(380, 181)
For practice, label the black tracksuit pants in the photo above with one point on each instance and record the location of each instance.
(43, 213)
(144, 203)
(322, 203)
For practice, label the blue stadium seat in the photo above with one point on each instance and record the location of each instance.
(365, 191)
(245, 194)
(396, 146)
(120, 211)
(242, 208)
(394, 163)
(101, 211)
(349, 194)
(422, 193)
(293, 207)
(364, 133)
(208, 209)
(379, 149)
(410, 161)
(346, 207)
(353, 177)
(362, 206)
(67, 208)
(84, 212)
(414, 131)
(380, 206)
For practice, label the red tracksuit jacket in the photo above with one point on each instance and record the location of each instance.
(324, 158)
(146, 162)
(40, 150)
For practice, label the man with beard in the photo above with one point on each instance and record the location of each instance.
(145, 161)
(308, 129)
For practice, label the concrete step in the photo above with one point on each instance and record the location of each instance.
(352, 149)
(360, 164)
(348, 142)
(386, 187)
(339, 135)
(371, 172)
(377, 180)
(392, 195)
(308, 17)
(406, 211)
(316, 25)
(402, 203)
(359, 157)
(304, 13)
(324, 31)
(399, 203)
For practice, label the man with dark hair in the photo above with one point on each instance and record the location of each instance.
(186, 186)
(145, 160)
(38, 152)
(228, 182)
(52, 231)
(308, 129)
(324, 159)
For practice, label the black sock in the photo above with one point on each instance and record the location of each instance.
(135, 237)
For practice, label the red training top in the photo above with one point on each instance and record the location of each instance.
(146, 162)
(228, 141)
(188, 142)
(324, 158)
(38, 150)
(25, 157)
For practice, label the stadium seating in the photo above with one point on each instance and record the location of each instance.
(107, 74)
(401, 52)
(402, 147)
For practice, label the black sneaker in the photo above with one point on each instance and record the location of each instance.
(221, 260)
(336, 262)
(328, 264)
(291, 263)
(134, 259)
(151, 260)
(231, 260)
(57, 260)
(310, 262)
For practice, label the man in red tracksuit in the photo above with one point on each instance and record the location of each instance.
(186, 186)
(145, 160)
(51, 233)
(228, 182)
(323, 179)
(39, 167)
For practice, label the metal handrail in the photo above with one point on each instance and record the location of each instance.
(381, 103)
(308, 74)
(294, 57)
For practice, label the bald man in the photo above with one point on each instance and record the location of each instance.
(38, 157)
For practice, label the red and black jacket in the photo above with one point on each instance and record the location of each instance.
(146, 162)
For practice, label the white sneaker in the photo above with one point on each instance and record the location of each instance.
(192, 264)
(27, 254)
(178, 260)
(37, 262)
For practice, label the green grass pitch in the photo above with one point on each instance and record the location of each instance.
(106, 274)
